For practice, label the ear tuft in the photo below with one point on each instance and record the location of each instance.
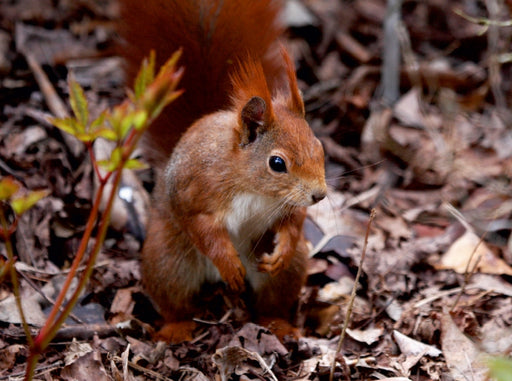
(295, 101)
(251, 98)
(253, 117)
(248, 80)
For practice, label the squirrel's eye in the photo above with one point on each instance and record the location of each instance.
(277, 164)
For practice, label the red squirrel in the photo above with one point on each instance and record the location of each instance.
(238, 163)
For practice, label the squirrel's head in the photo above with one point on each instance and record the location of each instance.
(286, 158)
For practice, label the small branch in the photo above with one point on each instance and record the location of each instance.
(76, 262)
(440, 295)
(390, 85)
(55, 104)
(49, 330)
(493, 36)
(485, 22)
(98, 243)
(137, 367)
(40, 371)
(94, 162)
(468, 273)
(14, 276)
(353, 294)
(44, 296)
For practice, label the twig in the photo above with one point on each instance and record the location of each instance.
(222, 320)
(55, 104)
(485, 22)
(40, 370)
(353, 294)
(440, 295)
(412, 67)
(139, 368)
(458, 215)
(353, 47)
(24, 268)
(5, 229)
(80, 332)
(493, 36)
(228, 358)
(390, 85)
(468, 273)
(46, 297)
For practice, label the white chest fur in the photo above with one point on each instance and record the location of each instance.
(251, 215)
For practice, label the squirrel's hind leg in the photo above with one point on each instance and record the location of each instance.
(172, 275)
(176, 332)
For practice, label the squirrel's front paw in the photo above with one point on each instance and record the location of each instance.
(271, 263)
(233, 273)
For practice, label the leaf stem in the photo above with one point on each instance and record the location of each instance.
(12, 270)
(41, 340)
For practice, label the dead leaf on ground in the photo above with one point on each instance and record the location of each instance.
(461, 252)
(462, 355)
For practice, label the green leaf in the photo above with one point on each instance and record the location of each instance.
(135, 164)
(120, 120)
(170, 64)
(140, 119)
(114, 118)
(133, 119)
(501, 368)
(115, 157)
(158, 106)
(69, 125)
(78, 102)
(172, 96)
(99, 124)
(8, 187)
(23, 203)
(85, 137)
(106, 133)
(114, 162)
(126, 125)
(106, 165)
(162, 90)
(145, 76)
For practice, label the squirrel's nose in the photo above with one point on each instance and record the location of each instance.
(318, 196)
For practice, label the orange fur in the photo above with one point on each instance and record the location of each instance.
(214, 35)
(225, 210)
(295, 102)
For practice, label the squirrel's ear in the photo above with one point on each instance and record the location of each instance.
(254, 116)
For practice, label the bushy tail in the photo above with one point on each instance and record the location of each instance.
(215, 35)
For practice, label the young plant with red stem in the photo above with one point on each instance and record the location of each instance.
(124, 125)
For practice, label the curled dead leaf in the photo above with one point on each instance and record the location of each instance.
(233, 359)
(461, 252)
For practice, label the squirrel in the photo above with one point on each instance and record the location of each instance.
(237, 163)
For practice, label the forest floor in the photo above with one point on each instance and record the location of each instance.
(435, 297)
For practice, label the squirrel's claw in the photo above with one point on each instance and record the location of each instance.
(271, 263)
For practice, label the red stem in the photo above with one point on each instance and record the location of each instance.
(43, 333)
(102, 231)
(53, 321)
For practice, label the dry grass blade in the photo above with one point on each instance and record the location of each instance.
(353, 294)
